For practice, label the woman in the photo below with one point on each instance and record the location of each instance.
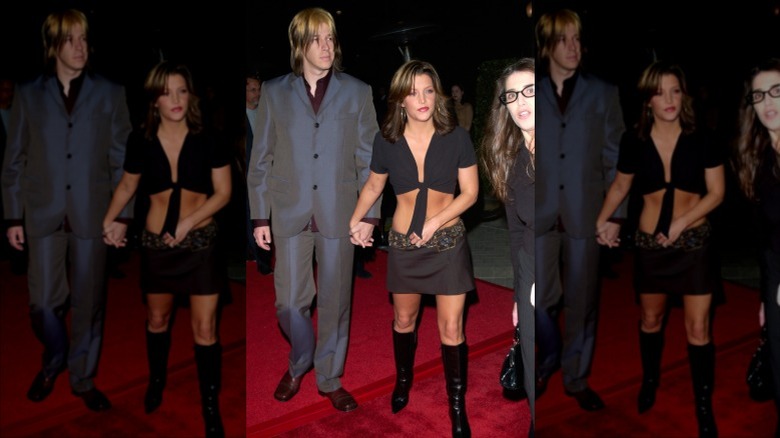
(508, 160)
(424, 155)
(463, 110)
(679, 173)
(758, 173)
(187, 178)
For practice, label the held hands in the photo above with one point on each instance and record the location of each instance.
(114, 234)
(607, 234)
(360, 234)
(16, 237)
(263, 237)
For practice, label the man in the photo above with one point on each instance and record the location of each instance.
(580, 123)
(66, 146)
(313, 138)
(261, 256)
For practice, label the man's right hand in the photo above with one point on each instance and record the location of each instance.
(16, 237)
(263, 237)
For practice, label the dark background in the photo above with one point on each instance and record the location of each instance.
(457, 38)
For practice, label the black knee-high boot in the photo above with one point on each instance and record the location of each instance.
(702, 360)
(455, 360)
(651, 346)
(157, 347)
(209, 360)
(404, 347)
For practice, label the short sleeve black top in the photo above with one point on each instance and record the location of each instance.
(199, 154)
(446, 154)
(693, 153)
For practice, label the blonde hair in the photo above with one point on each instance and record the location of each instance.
(303, 27)
(55, 31)
(552, 25)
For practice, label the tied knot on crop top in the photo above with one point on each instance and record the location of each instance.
(693, 154)
(198, 156)
(446, 154)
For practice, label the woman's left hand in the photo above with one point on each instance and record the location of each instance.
(182, 229)
(429, 228)
(675, 229)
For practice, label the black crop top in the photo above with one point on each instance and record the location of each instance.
(446, 154)
(199, 154)
(692, 154)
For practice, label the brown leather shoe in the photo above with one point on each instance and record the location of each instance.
(341, 399)
(287, 387)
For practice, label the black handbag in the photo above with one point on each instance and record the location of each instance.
(759, 372)
(511, 377)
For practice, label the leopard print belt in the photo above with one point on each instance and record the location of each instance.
(442, 240)
(196, 239)
(690, 239)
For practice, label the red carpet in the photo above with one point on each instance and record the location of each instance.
(617, 372)
(122, 370)
(369, 370)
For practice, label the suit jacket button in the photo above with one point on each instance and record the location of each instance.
(560, 187)
(67, 187)
(70, 156)
(315, 187)
(316, 125)
(563, 155)
(316, 156)
(563, 125)
(70, 125)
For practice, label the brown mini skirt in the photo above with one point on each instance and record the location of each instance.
(440, 267)
(190, 268)
(686, 268)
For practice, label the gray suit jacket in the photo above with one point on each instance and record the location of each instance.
(576, 154)
(58, 164)
(306, 164)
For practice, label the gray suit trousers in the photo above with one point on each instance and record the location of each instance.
(49, 292)
(576, 281)
(295, 290)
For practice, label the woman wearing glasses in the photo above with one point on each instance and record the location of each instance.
(678, 170)
(425, 155)
(508, 159)
(758, 172)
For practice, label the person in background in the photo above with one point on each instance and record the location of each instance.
(463, 110)
(63, 158)
(758, 172)
(186, 175)
(424, 154)
(679, 172)
(309, 160)
(507, 153)
(580, 122)
(262, 257)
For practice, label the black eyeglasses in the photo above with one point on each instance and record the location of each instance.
(757, 96)
(511, 96)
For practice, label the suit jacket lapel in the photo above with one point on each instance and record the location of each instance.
(579, 93)
(331, 92)
(84, 93)
(51, 86)
(298, 85)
